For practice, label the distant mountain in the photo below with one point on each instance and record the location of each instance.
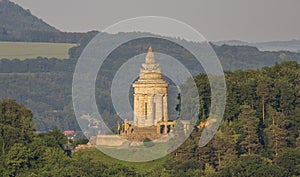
(232, 43)
(14, 20)
(292, 46)
(18, 24)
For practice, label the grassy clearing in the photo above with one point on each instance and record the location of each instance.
(24, 50)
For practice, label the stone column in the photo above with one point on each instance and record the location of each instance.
(159, 108)
(141, 121)
(165, 104)
(148, 115)
(135, 109)
(151, 110)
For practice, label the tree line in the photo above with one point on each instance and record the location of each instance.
(24, 152)
(259, 135)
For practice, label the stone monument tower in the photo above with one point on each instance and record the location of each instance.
(150, 94)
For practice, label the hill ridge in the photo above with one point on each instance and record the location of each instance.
(15, 20)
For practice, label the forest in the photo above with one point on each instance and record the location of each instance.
(260, 129)
(259, 135)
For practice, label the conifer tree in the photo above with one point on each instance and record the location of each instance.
(250, 128)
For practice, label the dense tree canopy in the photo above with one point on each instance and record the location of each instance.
(259, 135)
(260, 129)
(16, 124)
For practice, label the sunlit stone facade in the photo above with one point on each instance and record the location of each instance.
(150, 94)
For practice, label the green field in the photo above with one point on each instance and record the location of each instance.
(24, 50)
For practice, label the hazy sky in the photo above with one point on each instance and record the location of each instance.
(251, 20)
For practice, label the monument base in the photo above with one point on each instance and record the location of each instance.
(141, 134)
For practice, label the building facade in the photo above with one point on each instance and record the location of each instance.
(150, 94)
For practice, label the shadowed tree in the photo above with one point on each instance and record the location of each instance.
(16, 124)
(54, 138)
(224, 144)
(262, 91)
(249, 123)
(276, 131)
(290, 160)
(248, 166)
(16, 133)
